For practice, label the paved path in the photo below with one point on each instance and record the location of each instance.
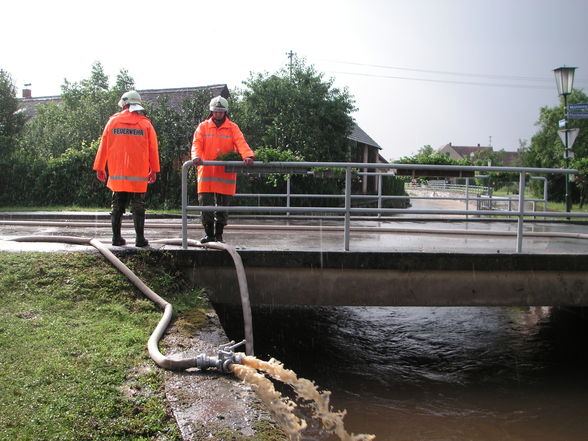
(395, 234)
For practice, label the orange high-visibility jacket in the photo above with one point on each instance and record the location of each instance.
(211, 141)
(129, 148)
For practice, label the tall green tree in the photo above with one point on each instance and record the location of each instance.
(426, 150)
(296, 109)
(52, 162)
(547, 149)
(12, 120)
(79, 118)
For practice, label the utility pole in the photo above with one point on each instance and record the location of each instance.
(290, 56)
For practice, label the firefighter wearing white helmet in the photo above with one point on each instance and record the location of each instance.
(219, 104)
(129, 150)
(214, 137)
(130, 97)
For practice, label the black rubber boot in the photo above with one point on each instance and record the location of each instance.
(218, 234)
(116, 220)
(139, 221)
(209, 231)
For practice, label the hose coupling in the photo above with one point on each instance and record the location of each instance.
(226, 357)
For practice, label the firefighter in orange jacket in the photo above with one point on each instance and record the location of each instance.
(215, 136)
(129, 148)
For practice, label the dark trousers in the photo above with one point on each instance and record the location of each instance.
(218, 200)
(122, 199)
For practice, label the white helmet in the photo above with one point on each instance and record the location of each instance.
(219, 104)
(130, 97)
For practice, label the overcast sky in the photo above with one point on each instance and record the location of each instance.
(423, 72)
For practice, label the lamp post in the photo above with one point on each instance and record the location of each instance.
(564, 78)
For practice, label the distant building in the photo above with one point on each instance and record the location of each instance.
(29, 104)
(509, 159)
(175, 96)
(462, 152)
(366, 150)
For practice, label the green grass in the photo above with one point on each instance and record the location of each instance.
(52, 208)
(561, 206)
(73, 358)
(57, 208)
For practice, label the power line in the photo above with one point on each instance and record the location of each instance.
(440, 72)
(470, 83)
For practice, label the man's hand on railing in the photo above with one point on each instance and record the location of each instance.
(197, 160)
(248, 161)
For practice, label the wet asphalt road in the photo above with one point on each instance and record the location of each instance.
(393, 234)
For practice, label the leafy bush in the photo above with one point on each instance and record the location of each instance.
(70, 180)
(436, 159)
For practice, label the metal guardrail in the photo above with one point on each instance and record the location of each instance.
(483, 199)
(444, 186)
(347, 210)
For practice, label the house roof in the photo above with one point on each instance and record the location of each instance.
(510, 159)
(359, 135)
(466, 151)
(30, 104)
(175, 96)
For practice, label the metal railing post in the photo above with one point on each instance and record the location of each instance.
(379, 194)
(544, 179)
(467, 195)
(347, 207)
(545, 193)
(288, 195)
(185, 168)
(521, 212)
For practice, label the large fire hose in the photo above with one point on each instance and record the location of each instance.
(226, 355)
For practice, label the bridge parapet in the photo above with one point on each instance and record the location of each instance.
(391, 279)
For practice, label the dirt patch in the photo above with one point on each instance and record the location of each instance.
(209, 404)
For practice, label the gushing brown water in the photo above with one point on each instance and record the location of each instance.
(282, 407)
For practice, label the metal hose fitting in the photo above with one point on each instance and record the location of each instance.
(226, 357)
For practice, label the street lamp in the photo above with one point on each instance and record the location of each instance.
(564, 78)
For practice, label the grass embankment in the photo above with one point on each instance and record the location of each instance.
(73, 358)
(551, 205)
(58, 208)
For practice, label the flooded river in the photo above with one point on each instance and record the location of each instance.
(437, 374)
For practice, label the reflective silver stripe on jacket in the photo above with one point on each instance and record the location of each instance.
(222, 181)
(128, 178)
(206, 135)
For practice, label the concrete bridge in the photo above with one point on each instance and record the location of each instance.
(338, 278)
(395, 263)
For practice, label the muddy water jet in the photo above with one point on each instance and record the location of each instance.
(282, 407)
